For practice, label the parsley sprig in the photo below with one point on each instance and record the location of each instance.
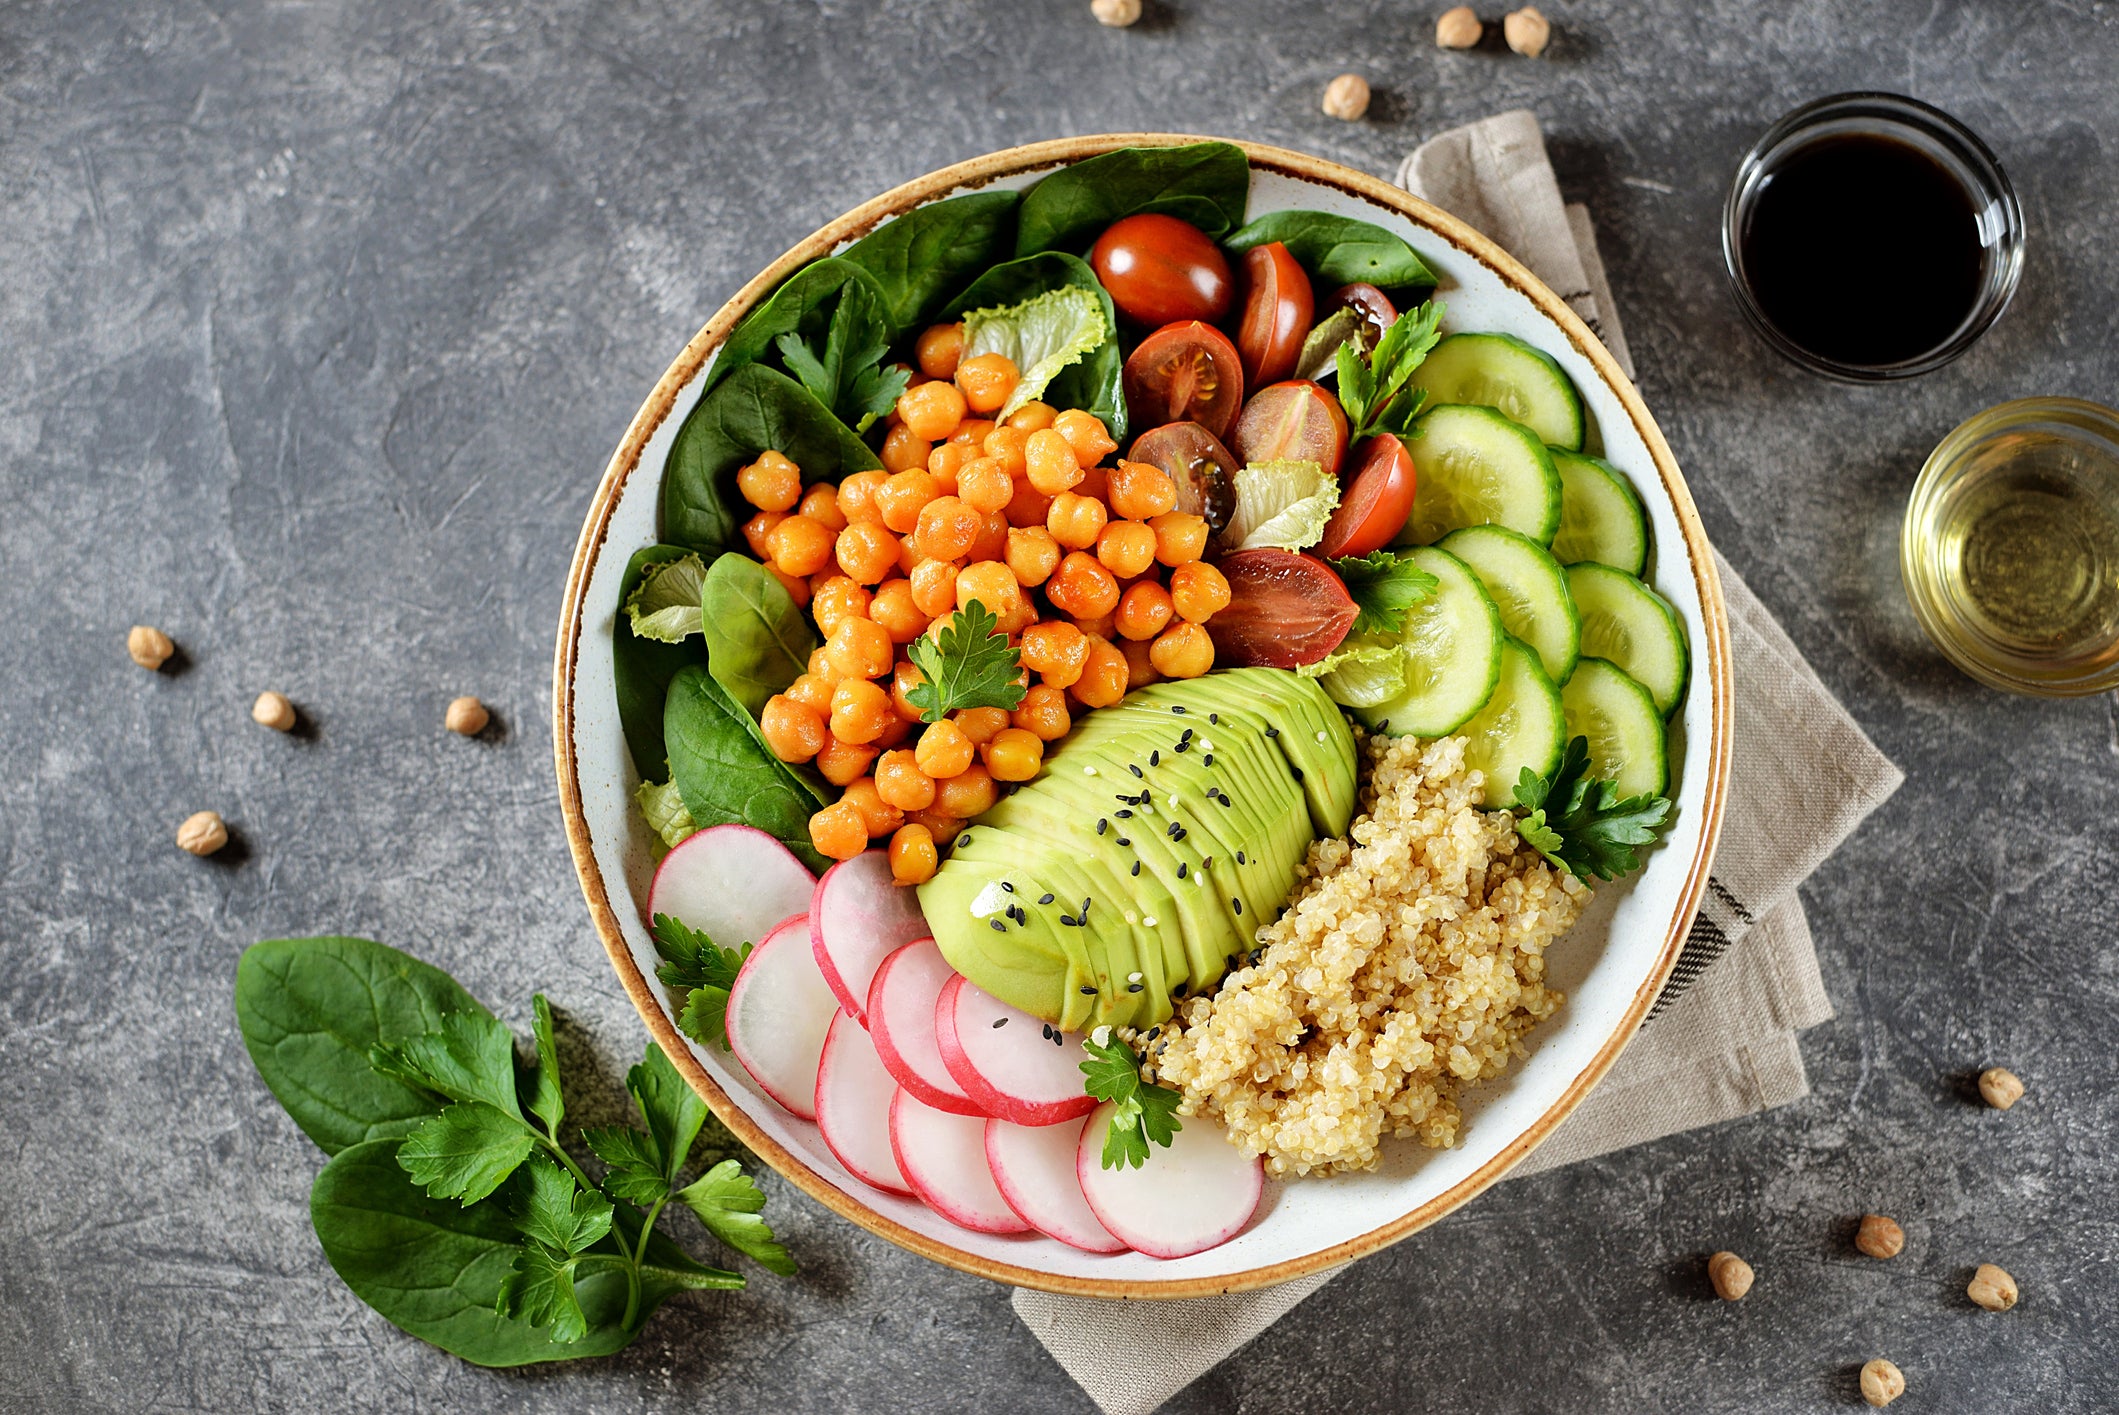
(1372, 389)
(848, 375)
(1579, 823)
(1143, 1111)
(1385, 586)
(703, 971)
(968, 664)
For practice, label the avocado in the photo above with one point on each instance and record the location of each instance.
(1225, 781)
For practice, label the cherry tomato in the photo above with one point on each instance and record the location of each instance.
(1377, 499)
(1296, 421)
(1186, 370)
(1375, 308)
(1284, 610)
(1276, 314)
(1159, 270)
(1204, 471)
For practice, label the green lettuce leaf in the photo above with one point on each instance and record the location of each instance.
(1281, 504)
(665, 607)
(1040, 336)
(1361, 674)
(664, 809)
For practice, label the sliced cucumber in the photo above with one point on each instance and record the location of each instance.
(1501, 371)
(1452, 642)
(1522, 725)
(1529, 588)
(1600, 516)
(1630, 625)
(1476, 468)
(1626, 743)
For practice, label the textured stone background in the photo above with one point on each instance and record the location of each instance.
(317, 324)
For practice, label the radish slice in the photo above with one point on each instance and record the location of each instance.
(732, 883)
(1192, 1196)
(1034, 1167)
(853, 1106)
(778, 1013)
(901, 1008)
(859, 917)
(1006, 1060)
(944, 1156)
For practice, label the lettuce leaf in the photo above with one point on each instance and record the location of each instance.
(1040, 336)
(1361, 673)
(665, 605)
(665, 812)
(1281, 504)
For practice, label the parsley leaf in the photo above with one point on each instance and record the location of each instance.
(672, 1109)
(1578, 821)
(545, 1101)
(1372, 389)
(1142, 1112)
(967, 665)
(560, 1214)
(847, 375)
(539, 1290)
(466, 1151)
(470, 1057)
(1385, 586)
(693, 961)
(635, 1165)
(727, 1202)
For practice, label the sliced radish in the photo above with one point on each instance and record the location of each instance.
(901, 1008)
(853, 1106)
(1197, 1193)
(732, 883)
(859, 917)
(1006, 1060)
(778, 1013)
(1034, 1167)
(944, 1156)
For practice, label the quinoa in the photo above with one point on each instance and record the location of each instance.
(1408, 963)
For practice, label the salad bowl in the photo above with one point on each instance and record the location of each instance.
(1611, 966)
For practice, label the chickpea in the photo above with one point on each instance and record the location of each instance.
(878, 816)
(971, 792)
(1043, 710)
(1346, 97)
(1182, 651)
(1086, 434)
(813, 693)
(1882, 1382)
(1990, 1287)
(1458, 28)
(1049, 463)
(931, 410)
(819, 666)
(859, 711)
(858, 648)
(1082, 587)
(1880, 1237)
(1527, 31)
(913, 857)
(898, 613)
(1104, 680)
(836, 599)
(149, 647)
(904, 677)
(946, 527)
(1013, 755)
(943, 751)
(980, 724)
(1730, 1275)
(837, 832)
(986, 381)
(1028, 507)
(904, 496)
(895, 731)
(857, 497)
(909, 557)
(800, 546)
(1180, 539)
(1032, 554)
(757, 528)
(274, 710)
(842, 763)
(202, 833)
(939, 348)
(793, 730)
(948, 460)
(1999, 1087)
(1140, 663)
(467, 717)
(1198, 592)
(992, 543)
(1141, 490)
(772, 483)
(973, 432)
(866, 552)
(984, 485)
(1116, 14)
(1007, 445)
(797, 588)
(1075, 521)
(991, 583)
(1144, 610)
(1100, 626)
(901, 783)
(821, 504)
(934, 587)
(903, 450)
(1032, 417)
(1057, 651)
(1126, 548)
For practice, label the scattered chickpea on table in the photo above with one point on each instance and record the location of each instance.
(1881, 1382)
(1730, 1275)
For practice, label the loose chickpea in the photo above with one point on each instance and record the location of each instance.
(857, 497)
(991, 583)
(944, 751)
(1527, 31)
(1032, 417)
(1116, 14)
(934, 587)
(1990, 1287)
(821, 504)
(1882, 1382)
(772, 483)
(859, 711)
(1198, 591)
(1144, 610)
(946, 527)
(903, 449)
(1999, 1087)
(1141, 490)
(1730, 1275)
(1140, 663)
(1346, 97)
(1049, 463)
(274, 710)
(1086, 434)
(901, 783)
(986, 381)
(800, 546)
(1075, 521)
(844, 762)
(148, 646)
(897, 612)
(812, 692)
(904, 496)
(1013, 755)
(1880, 1237)
(979, 724)
(1104, 677)
(904, 677)
(1028, 507)
(860, 648)
(878, 816)
(1180, 539)
(866, 551)
(912, 854)
(202, 833)
(836, 599)
(1032, 554)
(1458, 28)
(973, 432)
(984, 485)
(1126, 548)
(1056, 650)
(793, 730)
(757, 528)
(466, 717)
(939, 348)
(1043, 710)
(948, 460)
(838, 832)
(1082, 587)
(971, 792)
(931, 410)
(1007, 445)
(1183, 650)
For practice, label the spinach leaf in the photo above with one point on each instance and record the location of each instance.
(725, 772)
(1207, 184)
(801, 306)
(757, 639)
(1338, 250)
(1094, 384)
(641, 669)
(311, 1008)
(753, 409)
(918, 258)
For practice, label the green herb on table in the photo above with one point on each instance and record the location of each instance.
(1372, 389)
(847, 373)
(968, 665)
(1577, 821)
(1385, 586)
(703, 972)
(1143, 1112)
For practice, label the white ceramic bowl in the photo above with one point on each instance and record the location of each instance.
(1610, 966)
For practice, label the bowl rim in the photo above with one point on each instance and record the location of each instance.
(978, 172)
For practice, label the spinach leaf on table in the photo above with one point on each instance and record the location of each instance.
(1338, 250)
(1095, 383)
(1207, 184)
(758, 640)
(641, 669)
(726, 773)
(918, 258)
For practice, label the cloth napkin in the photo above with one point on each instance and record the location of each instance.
(1720, 1041)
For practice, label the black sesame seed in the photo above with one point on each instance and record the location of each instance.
(1181, 869)
(1172, 831)
(1135, 769)
(1238, 903)
(1123, 841)
(1136, 868)
(1239, 857)
(1125, 815)
(1088, 991)
(1207, 864)
(1085, 910)
(1007, 886)
(1226, 802)
(1057, 1040)
(1181, 833)
(1272, 732)
(1000, 1021)
(997, 926)
(1188, 734)
(963, 840)
(1155, 759)
(1210, 759)
(1133, 987)
(1045, 1030)
(1182, 747)
(1214, 717)
(1154, 1032)
(1070, 921)
(1102, 825)
(1044, 899)
(1178, 710)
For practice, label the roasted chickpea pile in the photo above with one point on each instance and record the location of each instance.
(1092, 572)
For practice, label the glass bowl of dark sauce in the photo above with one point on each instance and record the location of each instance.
(1871, 237)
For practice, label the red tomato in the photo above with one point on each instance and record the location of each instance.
(1276, 314)
(1160, 270)
(1377, 499)
(1296, 420)
(1204, 471)
(1374, 307)
(1185, 371)
(1284, 610)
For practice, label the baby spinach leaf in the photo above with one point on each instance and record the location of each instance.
(641, 669)
(725, 772)
(802, 306)
(758, 640)
(311, 1008)
(753, 409)
(1093, 384)
(918, 258)
(1207, 184)
(1338, 250)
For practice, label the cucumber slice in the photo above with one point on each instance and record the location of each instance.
(1600, 515)
(1501, 371)
(1630, 625)
(1522, 725)
(1626, 743)
(1476, 468)
(1529, 588)
(1452, 642)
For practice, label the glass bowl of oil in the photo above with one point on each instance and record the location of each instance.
(2010, 550)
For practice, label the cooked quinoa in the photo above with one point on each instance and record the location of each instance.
(1408, 963)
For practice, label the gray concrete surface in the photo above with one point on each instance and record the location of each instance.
(317, 323)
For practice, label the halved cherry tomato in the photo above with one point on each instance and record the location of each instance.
(1185, 371)
(1160, 269)
(1296, 420)
(1377, 499)
(1284, 610)
(1374, 307)
(1204, 471)
(1276, 314)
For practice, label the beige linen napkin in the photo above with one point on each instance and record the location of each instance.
(1720, 1042)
